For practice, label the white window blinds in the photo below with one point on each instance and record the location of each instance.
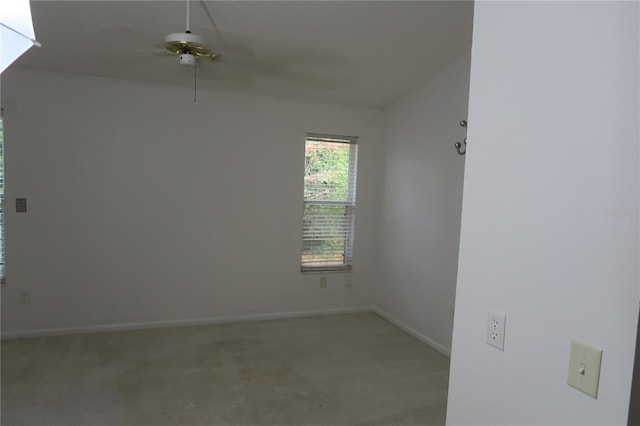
(329, 202)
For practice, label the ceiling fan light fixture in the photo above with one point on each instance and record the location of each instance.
(187, 59)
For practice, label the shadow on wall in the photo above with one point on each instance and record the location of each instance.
(634, 401)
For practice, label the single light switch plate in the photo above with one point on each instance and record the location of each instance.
(495, 329)
(584, 367)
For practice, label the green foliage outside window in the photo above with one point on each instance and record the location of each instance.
(326, 171)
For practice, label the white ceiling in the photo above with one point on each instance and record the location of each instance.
(349, 52)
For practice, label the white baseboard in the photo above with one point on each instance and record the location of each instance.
(179, 323)
(19, 334)
(424, 339)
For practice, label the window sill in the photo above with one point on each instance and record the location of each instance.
(324, 269)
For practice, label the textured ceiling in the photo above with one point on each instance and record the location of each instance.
(349, 52)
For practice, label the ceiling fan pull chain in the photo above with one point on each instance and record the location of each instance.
(195, 81)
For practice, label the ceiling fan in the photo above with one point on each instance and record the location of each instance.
(241, 66)
(189, 46)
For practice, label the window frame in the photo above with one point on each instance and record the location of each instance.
(349, 205)
(3, 246)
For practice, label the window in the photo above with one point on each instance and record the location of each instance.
(329, 202)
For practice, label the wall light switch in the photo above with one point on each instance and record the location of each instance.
(584, 367)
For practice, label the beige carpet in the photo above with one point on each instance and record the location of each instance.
(335, 370)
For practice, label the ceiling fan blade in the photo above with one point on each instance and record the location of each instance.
(155, 49)
(279, 67)
(212, 21)
(230, 46)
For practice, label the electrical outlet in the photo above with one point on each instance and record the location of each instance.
(347, 281)
(24, 297)
(21, 205)
(495, 329)
(323, 282)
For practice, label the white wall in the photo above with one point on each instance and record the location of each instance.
(145, 206)
(420, 222)
(550, 212)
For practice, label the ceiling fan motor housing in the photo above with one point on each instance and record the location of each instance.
(186, 38)
(188, 46)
